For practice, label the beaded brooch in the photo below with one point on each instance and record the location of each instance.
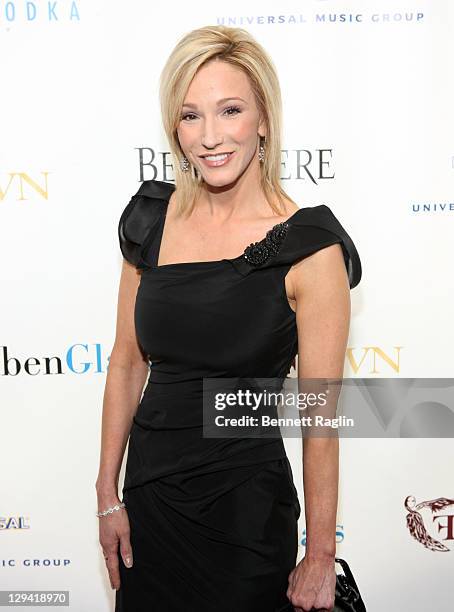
(258, 252)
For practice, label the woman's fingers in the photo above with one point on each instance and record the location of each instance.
(126, 549)
(291, 583)
(111, 558)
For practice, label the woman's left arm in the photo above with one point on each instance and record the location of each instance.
(321, 289)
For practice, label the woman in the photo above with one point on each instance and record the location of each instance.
(224, 276)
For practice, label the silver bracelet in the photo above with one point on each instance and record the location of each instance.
(112, 509)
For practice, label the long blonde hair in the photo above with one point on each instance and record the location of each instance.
(237, 47)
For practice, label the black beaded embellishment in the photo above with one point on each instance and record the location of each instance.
(258, 252)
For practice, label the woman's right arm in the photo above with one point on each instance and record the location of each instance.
(126, 376)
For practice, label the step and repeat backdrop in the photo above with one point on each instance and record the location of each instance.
(368, 130)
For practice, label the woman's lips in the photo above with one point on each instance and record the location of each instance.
(211, 163)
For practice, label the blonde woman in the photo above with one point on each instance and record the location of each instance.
(224, 276)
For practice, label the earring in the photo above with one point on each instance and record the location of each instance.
(261, 152)
(184, 163)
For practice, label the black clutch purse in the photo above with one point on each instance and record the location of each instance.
(347, 595)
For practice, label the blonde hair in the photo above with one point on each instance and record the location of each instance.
(238, 48)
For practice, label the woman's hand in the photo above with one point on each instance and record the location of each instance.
(312, 584)
(113, 531)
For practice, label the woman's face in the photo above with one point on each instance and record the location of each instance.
(219, 117)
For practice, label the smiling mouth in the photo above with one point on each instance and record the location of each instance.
(216, 156)
(219, 159)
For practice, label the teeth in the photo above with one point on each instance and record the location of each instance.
(216, 157)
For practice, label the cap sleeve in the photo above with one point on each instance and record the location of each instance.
(315, 228)
(305, 232)
(140, 218)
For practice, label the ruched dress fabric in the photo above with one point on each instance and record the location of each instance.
(213, 520)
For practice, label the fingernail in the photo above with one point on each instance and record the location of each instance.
(128, 562)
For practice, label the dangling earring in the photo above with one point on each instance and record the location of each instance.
(184, 163)
(262, 150)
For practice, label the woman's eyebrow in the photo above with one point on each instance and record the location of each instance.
(219, 102)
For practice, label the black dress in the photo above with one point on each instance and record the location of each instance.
(213, 520)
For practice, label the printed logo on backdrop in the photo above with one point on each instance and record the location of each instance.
(314, 165)
(433, 527)
(12, 523)
(22, 186)
(79, 358)
(39, 11)
(38, 562)
(432, 207)
(339, 535)
(328, 13)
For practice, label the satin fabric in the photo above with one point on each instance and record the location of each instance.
(213, 520)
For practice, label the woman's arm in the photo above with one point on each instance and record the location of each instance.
(125, 380)
(321, 289)
(126, 377)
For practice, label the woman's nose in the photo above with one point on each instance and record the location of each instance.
(211, 136)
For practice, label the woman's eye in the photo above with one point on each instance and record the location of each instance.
(184, 117)
(233, 108)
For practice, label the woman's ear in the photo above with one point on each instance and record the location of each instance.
(261, 130)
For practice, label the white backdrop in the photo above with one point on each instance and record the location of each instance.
(367, 88)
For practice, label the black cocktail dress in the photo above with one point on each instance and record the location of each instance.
(213, 520)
